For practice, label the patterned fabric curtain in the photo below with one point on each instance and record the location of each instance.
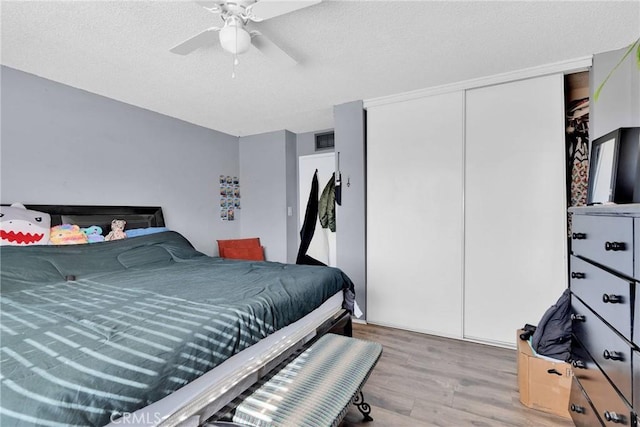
(580, 172)
(578, 144)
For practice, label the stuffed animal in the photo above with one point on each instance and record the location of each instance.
(20, 226)
(93, 233)
(67, 234)
(117, 230)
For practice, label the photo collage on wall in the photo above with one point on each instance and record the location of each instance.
(229, 197)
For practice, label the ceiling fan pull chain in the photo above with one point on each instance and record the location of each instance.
(235, 61)
(235, 55)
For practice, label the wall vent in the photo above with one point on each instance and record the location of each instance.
(325, 141)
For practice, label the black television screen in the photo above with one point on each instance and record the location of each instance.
(614, 169)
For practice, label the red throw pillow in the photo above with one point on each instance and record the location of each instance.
(249, 254)
(253, 242)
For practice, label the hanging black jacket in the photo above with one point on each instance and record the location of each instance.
(309, 225)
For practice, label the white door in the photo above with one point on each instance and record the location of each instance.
(414, 214)
(323, 245)
(515, 207)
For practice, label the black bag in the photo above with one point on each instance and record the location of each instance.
(552, 337)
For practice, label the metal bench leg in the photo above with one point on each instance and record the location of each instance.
(363, 406)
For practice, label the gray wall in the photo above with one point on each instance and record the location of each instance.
(267, 172)
(61, 145)
(619, 101)
(292, 195)
(349, 123)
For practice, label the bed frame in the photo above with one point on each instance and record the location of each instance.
(86, 216)
(204, 404)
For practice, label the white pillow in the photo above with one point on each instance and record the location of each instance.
(20, 226)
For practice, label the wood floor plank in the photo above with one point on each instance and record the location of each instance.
(448, 416)
(423, 380)
(383, 417)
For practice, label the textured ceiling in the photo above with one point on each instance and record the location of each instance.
(347, 50)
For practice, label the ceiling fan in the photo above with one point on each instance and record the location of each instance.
(234, 37)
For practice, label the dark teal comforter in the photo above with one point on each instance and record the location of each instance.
(93, 331)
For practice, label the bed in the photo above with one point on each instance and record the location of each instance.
(147, 330)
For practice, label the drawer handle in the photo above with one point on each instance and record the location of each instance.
(579, 364)
(578, 317)
(578, 275)
(611, 298)
(577, 408)
(613, 417)
(579, 236)
(612, 355)
(615, 246)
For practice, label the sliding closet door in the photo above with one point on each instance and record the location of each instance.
(414, 214)
(515, 220)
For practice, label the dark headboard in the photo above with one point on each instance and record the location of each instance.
(85, 216)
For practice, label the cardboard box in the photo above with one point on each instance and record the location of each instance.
(544, 384)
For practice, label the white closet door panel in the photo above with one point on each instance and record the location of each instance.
(414, 214)
(515, 208)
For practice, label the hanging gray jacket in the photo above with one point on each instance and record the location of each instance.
(327, 205)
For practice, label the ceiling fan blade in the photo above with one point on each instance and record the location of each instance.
(271, 50)
(205, 38)
(266, 9)
(213, 6)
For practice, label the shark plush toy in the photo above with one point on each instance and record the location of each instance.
(20, 226)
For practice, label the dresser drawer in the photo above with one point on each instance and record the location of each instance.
(605, 399)
(608, 350)
(607, 240)
(582, 413)
(636, 229)
(636, 314)
(605, 293)
(636, 379)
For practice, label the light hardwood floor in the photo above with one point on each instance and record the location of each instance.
(423, 380)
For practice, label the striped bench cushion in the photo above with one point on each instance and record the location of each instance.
(314, 389)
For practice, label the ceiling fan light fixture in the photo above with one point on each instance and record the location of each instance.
(234, 38)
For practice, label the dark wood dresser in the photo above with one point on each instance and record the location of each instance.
(605, 296)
